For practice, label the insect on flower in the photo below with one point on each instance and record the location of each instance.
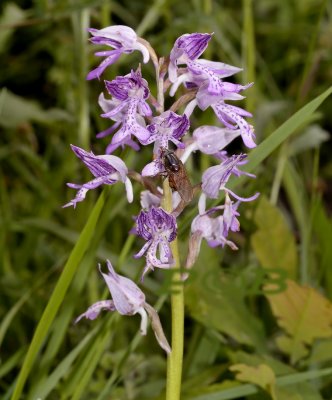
(177, 174)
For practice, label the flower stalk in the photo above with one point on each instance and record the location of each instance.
(175, 358)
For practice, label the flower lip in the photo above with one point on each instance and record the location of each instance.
(158, 228)
(154, 222)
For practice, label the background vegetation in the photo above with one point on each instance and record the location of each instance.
(242, 338)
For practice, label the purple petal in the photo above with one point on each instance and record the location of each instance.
(214, 178)
(121, 33)
(223, 70)
(95, 73)
(153, 168)
(211, 139)
(143, 249)
(127, 296)
(116, 163)
(108, 131)
(192, 44)
(80, 196)
(93, 311)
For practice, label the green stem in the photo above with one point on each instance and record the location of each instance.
(80, 22)
(175, 358)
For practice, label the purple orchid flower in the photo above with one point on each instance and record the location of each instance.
(231, 116)
(207, 77)
(215, 178)
(214, 230)
(187, 47)
(128, 299)
(158, 228)
(187, 50)
(168, 126)
(210, 229)
(127, 108)
(108, 105)
(107, 170)
(123, 40)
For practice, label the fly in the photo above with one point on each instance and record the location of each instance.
(177, 175)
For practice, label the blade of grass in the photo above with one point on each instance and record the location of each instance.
(60, 325)
(44, 389)
(249, 51)
(80, 25)
(306, 82)
(248, 389)
(12, 362)
(261, 152)
(93, 357)
(58, 294)
(8, 319)
(151, 18)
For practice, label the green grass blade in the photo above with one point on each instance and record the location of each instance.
(58, 294)
(93, 357)
(249, 51)
(261, 152)
(248, 389)
(62, 369)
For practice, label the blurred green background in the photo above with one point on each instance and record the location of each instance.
(285, 47)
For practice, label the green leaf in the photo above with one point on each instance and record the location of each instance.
(12, 15)
(229, 390)
(16, 110)
(214, 300)
(304, 314)
(304, 390)
(262, 376)
(311, 138)
(273, 242)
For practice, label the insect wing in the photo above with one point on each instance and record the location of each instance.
(182, 184)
